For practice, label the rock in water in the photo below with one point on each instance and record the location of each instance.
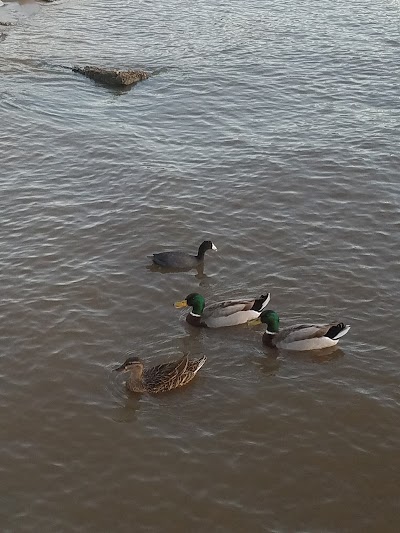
(113, 77)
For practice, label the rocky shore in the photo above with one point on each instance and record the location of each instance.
(112, 77)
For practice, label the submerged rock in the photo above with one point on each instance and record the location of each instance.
(113, 77)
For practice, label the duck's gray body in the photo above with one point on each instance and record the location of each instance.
(229, 313)
(306, 337)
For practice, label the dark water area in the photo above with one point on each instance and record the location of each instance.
(271, 128)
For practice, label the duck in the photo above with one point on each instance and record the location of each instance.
(301, 337)
(178, 259)
(221, 314)
(160, 378)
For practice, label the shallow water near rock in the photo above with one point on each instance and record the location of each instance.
(270, 128)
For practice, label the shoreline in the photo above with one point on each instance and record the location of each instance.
(12, 11)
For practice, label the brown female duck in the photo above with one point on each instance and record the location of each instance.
(160, 378)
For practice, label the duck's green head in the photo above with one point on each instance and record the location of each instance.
(194, 300)
(268, 317)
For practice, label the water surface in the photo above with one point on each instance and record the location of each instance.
(271, 128)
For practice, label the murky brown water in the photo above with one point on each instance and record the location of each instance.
(272, 128)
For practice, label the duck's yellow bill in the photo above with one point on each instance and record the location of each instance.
(183, 303)
(254, 322)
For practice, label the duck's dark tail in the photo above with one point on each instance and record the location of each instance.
(261, 302)
(337, 331)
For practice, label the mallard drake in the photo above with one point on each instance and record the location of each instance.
(179, 259)
(299, 338)
(228, 313)
(160, 378)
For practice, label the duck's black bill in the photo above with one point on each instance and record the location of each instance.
(120, 368)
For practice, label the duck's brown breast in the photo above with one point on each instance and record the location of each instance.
(194, 320)
(267, 339)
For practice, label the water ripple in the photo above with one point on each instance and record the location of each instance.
(272, 130)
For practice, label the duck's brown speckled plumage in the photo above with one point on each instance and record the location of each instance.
(160, 378)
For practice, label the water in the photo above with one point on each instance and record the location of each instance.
(271, 128)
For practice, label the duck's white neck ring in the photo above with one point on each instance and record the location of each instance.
(194, 314)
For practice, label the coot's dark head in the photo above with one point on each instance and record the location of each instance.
(204, 246)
